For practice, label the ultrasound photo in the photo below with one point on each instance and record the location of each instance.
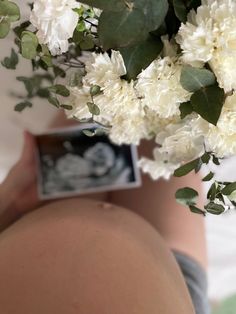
(72, 163)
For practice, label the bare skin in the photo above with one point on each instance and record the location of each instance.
(83, 256)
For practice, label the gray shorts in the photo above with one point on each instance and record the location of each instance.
(196, 280)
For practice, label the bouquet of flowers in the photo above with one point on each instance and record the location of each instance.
(140, 69)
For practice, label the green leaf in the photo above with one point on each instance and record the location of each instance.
(185, 169)
(185, 109)
(229, 189)
(58, 71)
(23, 105)
(60, 90)
(111, 5)
(172, 22)
(197, 210)
(66, 107)
(154, 10)
(208, 177)
(121, 29)
(47, 60)
(43, 93)
(180, 10)
(54, 101)
(215, 160)
(198, 165)
(18, 30)
(192, 79)
(9, 10)
(28, 83)
(139, 57)
(193, 4)
(211, 194)
(215, 209)
(208, 103)
(12, 61)
(206, 158)
(186, 196)
(95, 90)
(77, 36)
(29, 44)
(81, 27)
(5, 27)
(93, 108)
(87, 43)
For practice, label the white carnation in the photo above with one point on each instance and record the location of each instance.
(102, 68)
(79, 97)
(221, 139)
(159, 167)
(56, 22)
(183, 141)
(155, 124)
(210, 36)
(120, 108)
(170, 48)
(160, 89)
(128, 130)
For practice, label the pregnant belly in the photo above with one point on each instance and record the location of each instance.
(82, 256)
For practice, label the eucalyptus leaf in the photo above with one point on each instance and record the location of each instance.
(95, 90)
(215, 160)
(121, 29)
(10, 10)
(208, 103)
(208, 177)
(18, 30)
(211, 194)
(229, 189)
(154, 10)
(81, 27)
(12, 61)
(192, 79)
(87, 43)
(215, 209)
(185, 169)
(60, 90)
(186, 196)
(185, 109)
(23, 105)
(140, 56)
(28, 83)
(93, 108)
(108, 5)
(197, 210)
(77, 36)
(193, 4)
(58, 71)
(206, 158)
(47, 60)
(43, 93)
(29, 44)
(54, 101)
(66, 107)
(5, 27)
(180, 10)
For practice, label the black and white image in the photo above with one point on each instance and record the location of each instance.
(72, 163)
